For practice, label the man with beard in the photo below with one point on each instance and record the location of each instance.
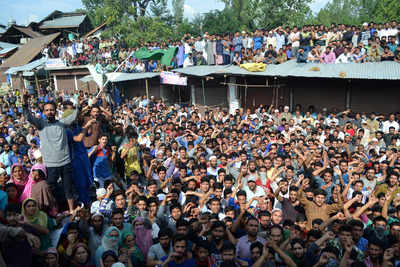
(217, 240)
(161, 249)
(318, 208)
(288, 204)
(244, 243)
(117, 220)
(357, 233)
(54, 146)
(95, 231)
(213, 169)
(101, 116)
(282, 192)
(228, 256)
(253, 190)
(392, 185)
(179, 256)
(264, 217)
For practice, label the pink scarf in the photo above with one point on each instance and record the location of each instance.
(143, 236)
(28, 186)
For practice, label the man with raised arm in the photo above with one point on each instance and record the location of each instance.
(54, 146)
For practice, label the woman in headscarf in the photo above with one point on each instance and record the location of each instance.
(19, 177)
(38, 189)
(128, 243)
(39, 221)
(143, 234)
(80, 256)
(109, 242)
(68, 241)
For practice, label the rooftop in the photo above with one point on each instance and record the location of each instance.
(64, 22)
(386, 70)
(29, 51)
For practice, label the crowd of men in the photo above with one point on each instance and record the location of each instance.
(89, 182)
(311, 43)
(84, 182)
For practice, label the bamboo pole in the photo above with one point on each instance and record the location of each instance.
(147, 89)
(37, 84)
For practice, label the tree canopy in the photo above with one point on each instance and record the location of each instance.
(139, 21)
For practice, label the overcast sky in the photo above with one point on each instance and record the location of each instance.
(25, 11)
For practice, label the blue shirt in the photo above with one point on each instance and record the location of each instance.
(258, 40)
(184, 142)
(362, 244)
(12, 158)
(101, 165)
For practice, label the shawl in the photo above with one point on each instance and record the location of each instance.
(144, 239)
(136, 253)
(29, 184)
(110, 243)
(39, 217)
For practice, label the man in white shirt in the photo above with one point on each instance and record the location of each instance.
(188, 62)
(385, 32)
(345, 57)
(253, 190)
(390, 123)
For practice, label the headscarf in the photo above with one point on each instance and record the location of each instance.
(24, 175)
(136, 253)
(39, 217)
(144, 239)
(111, 243)
(28, 187)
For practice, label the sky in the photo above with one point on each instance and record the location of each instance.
(25, 11)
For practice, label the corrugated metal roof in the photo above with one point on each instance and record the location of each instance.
(7, 47)
(121, 77)
(29, 51)
(87, 78)
(202, 70)
(28, 31)
(28, 67)
(64, 22)
(386, 70)
(6, 50)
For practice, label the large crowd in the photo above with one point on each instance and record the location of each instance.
(311, 43)
(86, 181)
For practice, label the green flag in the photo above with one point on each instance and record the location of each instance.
(165, 55)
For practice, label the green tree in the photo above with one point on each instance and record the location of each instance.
(241, 12)
(159, 9)
(95, 11)
(148, 29)
(177, 7)
(344, 11)
(387, 10)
